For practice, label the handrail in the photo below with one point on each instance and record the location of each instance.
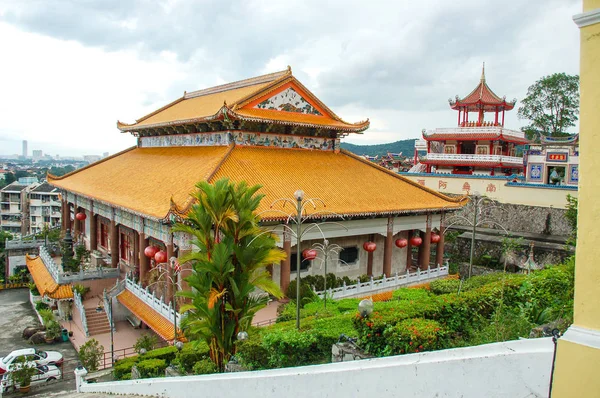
(365, 288)
(79, 305)
(154, 302)
(474, 157)
(61, 277)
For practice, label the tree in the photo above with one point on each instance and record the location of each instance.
(229, 265)
(551, 105)
(571, 216)
(9, 178)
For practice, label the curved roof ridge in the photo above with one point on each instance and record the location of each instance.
(239, 84)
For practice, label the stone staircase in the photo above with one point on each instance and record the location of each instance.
(97, 322)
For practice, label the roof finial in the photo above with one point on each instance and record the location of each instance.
(289, 68)
(483, 72)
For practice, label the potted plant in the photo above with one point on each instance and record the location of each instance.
(52, 331)
(22, 372)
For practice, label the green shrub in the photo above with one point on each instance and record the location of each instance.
(90, 354)
(453, 268)
(205, 366)
(306, 292)
(410, 294)
(151, 368)
(40, 305)
(33, 289)
(146, 342)
(252, 355)
(444, 286)
(123, 367)
(47, 315)
(414, 335)
(192, 353)
(166, 353)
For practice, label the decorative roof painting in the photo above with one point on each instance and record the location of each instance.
(289, 101)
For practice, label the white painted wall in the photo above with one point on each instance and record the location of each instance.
(511, 369)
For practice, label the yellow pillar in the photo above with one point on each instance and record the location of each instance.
(578, 353)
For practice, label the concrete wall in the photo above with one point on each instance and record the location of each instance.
(511, 369)
(497, 189)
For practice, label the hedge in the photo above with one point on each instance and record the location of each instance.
(414, 335)
(151, 368)
(123, 367)
(205, 366)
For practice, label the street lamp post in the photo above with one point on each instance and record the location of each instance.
(299, 195)
(475, 204)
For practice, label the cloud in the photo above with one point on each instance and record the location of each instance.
(394, 62)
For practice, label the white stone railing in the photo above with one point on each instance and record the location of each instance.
(372, 286)
(477, 130)
(475, 158)
(79, 306)
(62, 277)
(150, 298)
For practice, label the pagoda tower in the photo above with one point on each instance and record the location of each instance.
(481, 146)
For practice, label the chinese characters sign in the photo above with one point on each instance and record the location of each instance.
(557, 156)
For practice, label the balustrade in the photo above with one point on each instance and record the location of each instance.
(371, 286)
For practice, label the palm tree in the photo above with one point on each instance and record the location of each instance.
(233, 253)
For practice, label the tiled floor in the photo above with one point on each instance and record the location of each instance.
(266, 315)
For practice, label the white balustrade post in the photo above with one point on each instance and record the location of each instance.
(372, 282)
(428, 271)
(396, 277)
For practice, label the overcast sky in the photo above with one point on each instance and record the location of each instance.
(70, 69)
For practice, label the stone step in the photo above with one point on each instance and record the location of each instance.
(93, 332)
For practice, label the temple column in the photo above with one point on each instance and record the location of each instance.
(459, 116)
(170, 253)
(370, 258)
(114, 244)
(76, 224)
(388, 247)
(439, 251)
(63, 217)
(93, 231)
(136, 249)
(424, 249)
(144, 261)
(409, 235)
(284, 274)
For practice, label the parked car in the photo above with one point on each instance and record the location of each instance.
(45, 373)
(34, 355)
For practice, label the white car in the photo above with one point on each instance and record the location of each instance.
(31, 354)
(45, 373)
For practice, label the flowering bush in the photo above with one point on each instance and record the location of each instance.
(414, 335)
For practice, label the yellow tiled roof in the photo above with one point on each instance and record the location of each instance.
(145, 179)
(161, 325)
(204, 105)
(347, 184)
(44, 281)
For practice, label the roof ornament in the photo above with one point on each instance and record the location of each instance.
(483, 72)
(289, 68)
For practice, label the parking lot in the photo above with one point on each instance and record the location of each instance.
(15, 315)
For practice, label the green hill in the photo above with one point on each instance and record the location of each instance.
(407, 148)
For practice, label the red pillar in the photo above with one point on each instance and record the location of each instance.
(424, 249)
(170, 253)
(284, 273)
(93, 232)
(503, 117)
(459, 116)
(439, 252)
(370, 258)
(144, 261)
(388, 247)
(496, 117)
(114, 244)
(458, 148)
(409, 235)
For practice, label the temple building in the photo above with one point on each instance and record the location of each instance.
(475, 147)
(553, 161)
(268, 130)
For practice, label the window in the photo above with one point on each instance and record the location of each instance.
(304, 264)
(450, 149)
(125, 246)
(349, 255)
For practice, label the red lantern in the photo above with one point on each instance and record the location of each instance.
(80, 216)
(370, 246)
(160, 257)
(401, 243)
(150, 251)
(416, 241)
(435, 238)
(309, 254)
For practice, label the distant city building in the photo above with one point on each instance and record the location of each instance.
(14, 206)
(24, 148)
(91, 158)
(105, 155)
(37, 154)
(44, 207)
